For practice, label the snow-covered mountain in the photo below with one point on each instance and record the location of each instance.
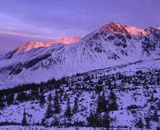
(111, 45)
(113, 81)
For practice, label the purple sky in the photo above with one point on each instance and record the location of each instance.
(27, 20)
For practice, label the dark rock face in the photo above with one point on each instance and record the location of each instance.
(10, 54)
(33, 62)
(148, 46)
(17, 69)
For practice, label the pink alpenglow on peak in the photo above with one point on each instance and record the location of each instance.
(32, 45)
(136, 31)
(157, 27)
(123, 29)
(26, 48)
(67, 40)
(35, 45)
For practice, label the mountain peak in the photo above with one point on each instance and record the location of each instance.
(115, 27)
(32, 45)
(26, 47)
(113, 24)
(155, 28)
(123, 29)
(158, 27)
(67, 40)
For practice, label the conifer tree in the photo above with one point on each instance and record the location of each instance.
(41, 96)
(24, 119)
(139, 123)
(10, 99)
(56, 106)
(147, 119)
(41, 100)
(91, 119)
(22, 96)
(113, 101)
(102, 103)
(49, 111)
(105, 120)
(68, 112)
(75, 107)
(2, 102)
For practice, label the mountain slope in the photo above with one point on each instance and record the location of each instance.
(130, 93)
(111, 45)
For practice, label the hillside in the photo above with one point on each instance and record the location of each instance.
(124, 96)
